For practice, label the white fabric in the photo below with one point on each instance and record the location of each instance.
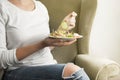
(19, 28)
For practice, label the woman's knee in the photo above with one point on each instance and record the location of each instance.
(72, 71)
(69, 69)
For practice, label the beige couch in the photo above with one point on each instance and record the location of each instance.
(97, 68)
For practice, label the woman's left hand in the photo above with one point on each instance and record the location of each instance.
(70, 19)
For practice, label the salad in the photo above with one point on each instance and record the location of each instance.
(65, 28)
(63, 32)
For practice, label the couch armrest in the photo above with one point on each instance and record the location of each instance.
(98, 68)
(117, 77)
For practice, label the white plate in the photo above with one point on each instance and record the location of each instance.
(63, 38)
(66, 39)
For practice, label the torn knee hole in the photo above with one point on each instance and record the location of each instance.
(68, 70)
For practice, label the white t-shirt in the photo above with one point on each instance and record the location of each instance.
(19, 28)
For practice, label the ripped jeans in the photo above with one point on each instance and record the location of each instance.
(47, 72)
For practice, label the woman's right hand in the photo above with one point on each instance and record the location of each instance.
(57, 42)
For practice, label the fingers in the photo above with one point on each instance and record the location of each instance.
(64, 43)
(70, 19)
(58, 42)
(50, 42)
(72, 14)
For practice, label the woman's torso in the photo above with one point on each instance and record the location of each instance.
(25, 28)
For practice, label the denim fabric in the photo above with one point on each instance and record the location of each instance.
(79, 75)
(47, 72)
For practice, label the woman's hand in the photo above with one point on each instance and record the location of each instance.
(70, 19)
(58, 42)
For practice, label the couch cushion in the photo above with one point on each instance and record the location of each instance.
(85, 9)
(58, 9)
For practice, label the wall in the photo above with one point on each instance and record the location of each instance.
(105, 34)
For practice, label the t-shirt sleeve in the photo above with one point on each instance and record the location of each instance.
(7, 57)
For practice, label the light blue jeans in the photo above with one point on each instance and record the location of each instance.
(47, 72)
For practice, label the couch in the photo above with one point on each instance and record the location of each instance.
(96, 67)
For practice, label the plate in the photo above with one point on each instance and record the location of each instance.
(65, 38)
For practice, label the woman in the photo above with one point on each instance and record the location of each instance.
(25, 45)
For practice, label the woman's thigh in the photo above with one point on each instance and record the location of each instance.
(47, 72)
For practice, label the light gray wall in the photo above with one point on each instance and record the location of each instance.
(105, 35)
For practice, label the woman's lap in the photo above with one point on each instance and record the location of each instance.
(47, 72)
